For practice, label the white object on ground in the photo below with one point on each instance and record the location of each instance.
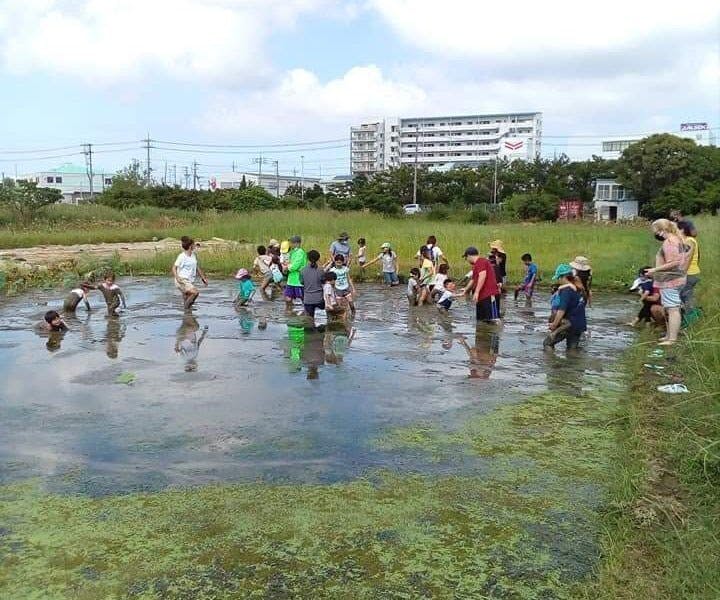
(673, 388)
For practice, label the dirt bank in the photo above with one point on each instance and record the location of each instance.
(51, 255)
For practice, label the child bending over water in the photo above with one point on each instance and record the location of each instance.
(77, 295)
(245, 287)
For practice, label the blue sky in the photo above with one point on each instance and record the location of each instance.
(252, 72)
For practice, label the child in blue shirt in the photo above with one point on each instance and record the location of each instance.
(245, 288)
(531, 272)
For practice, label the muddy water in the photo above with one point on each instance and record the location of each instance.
(258, 395)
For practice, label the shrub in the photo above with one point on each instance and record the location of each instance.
(533, 206)
(438, 212)
(479, 215)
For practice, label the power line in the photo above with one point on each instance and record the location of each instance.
(296, 150)
(273, 145)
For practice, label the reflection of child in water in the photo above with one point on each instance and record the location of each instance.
(188, 343)
(112, 293)
(114, 334)
(337, 341)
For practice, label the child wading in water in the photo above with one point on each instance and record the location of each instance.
(448, 295)
(413, 286)
(528, 284)
(362, 252)
(245, 288)
(427, 274)
(52, 322)
(112, 293)
(312, 279)
(344, 287)
(77, 295)
(261, 264)
(333, 308)
(389, 264)
(185, 269)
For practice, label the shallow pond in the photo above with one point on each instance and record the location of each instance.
(147, 400)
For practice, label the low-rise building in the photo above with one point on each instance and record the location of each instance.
(275, 185)
(613, 202)
(73, 181)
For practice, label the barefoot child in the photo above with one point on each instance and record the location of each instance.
(77, 295)
(333, 308)
(185, 269)
(112, 293)
(528, 284)
(261, 264)
(245, 288)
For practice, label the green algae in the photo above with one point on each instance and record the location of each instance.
(525, 529)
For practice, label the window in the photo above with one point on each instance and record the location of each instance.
(49, 180)
(58, 180)
(603, 191)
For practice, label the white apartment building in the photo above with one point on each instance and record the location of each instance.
(275, 185)
(72, 181)
(443, 143)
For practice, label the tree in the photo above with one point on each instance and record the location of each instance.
(649, 166)
(25, 198)
(533, 206)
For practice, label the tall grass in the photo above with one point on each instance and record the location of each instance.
(616, 251)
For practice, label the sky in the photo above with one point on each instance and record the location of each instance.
(264, 74)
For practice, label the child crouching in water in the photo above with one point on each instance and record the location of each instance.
(549, 341)
(245, 287)
(112, 293)
(448, 295)
(413, 286)
(77, 295)
(333, 306)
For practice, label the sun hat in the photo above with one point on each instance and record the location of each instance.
(385, 245)
(285, 247)
(273, 242)
(241, 273)
(497, 245)
(471, 251)
(296, 239)
(581, 263)
(343, 236)
(562, 270)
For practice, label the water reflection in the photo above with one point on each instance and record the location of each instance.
(187, 341)
(483, 355)
(114, 333)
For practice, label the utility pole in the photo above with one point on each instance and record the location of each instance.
(302, 178)
(495, 182)
(277, 178)
(233, 166)
(260, 161)
(187, 177)
(147, 161)
(195, 175)
(89, 166)
(165, 179)
(174, 175)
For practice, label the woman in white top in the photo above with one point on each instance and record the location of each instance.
(185, 270)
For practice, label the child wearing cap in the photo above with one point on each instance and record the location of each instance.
(297, 261)
(77, 295)
(570, 307)
(528, 284)
(389, 264)
(245, 287)
(583, 271)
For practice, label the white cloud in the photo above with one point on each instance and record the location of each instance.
(105, 41)
(527, 28)
(300, 100)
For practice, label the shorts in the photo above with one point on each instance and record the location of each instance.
(343, 293)
(446, 304)
(185, 286)
(670, 297)
(390, 278)
(311, 308)
(294, 292)
(487, 310)
(267, 278)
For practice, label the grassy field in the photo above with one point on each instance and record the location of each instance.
(616, 251)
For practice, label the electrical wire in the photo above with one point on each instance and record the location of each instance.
(259, 146)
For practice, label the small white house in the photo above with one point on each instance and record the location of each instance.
(277, 185)
(72, 181)
(613, 202)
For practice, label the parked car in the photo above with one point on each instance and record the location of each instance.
(412, 209)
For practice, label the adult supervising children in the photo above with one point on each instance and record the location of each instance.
(297, 261)
(570, 308)
(389, 264)
(484, 286)
(185, 270)
(341, 246)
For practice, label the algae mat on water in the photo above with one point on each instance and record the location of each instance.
(528, 528)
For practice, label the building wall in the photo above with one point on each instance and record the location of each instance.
(269, 182)
(75, 187)
(610, 194)
(444, 142)
(626, 210)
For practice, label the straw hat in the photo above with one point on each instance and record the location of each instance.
(581, 264)
(497, 245)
